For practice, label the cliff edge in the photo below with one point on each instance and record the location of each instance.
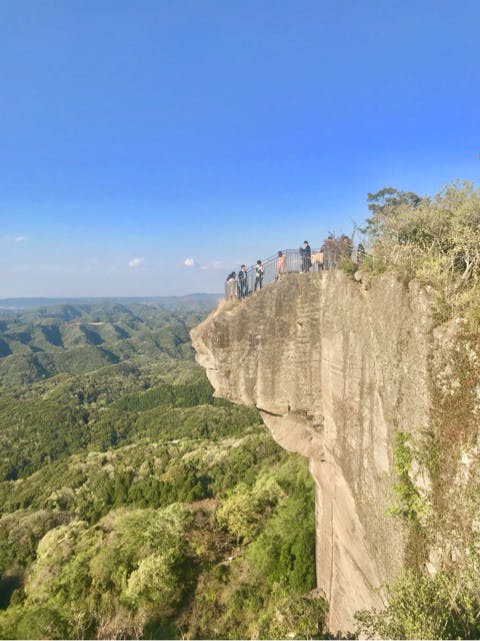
(335, 367)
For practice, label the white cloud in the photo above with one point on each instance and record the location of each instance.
(8, 238)
(136, 262)
(189, 262)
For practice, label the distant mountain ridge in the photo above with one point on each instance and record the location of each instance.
(76, 338)
(19, 304)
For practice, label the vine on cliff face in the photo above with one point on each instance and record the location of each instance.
(440, 602)
(410, 505)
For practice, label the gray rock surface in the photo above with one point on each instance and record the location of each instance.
(335, 368)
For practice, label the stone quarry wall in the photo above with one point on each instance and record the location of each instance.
(335, 367)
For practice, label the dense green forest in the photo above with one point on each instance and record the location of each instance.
(133, 503)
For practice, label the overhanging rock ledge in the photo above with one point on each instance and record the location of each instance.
(335, 368)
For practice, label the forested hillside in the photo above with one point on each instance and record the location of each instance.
(76, 339)
(133, 503)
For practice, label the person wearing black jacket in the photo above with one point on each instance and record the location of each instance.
(242, 282)
(306, 257)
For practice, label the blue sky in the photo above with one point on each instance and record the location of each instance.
(138, 134)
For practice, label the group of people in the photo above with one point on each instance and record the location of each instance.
(332, 250)
(238, 287)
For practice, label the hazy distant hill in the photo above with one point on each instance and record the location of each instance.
(187, 302)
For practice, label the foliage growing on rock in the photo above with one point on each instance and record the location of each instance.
(435, 239)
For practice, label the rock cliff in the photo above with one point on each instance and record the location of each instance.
(335, 367)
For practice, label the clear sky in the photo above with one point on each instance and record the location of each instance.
(136, 135)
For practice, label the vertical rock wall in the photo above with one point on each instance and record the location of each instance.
(335, 368)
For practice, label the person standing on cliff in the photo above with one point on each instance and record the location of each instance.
(306, 257)
(259, 271)
(242, 282)
(232, 287)
(280, 264)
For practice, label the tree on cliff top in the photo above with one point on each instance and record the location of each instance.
(385, 205)
(435, 239)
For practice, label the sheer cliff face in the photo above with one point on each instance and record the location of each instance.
(335, 368)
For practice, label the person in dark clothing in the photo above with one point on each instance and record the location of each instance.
(259, 271)
(242, 282)
(306, 257)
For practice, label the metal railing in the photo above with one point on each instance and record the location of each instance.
(294, 262)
